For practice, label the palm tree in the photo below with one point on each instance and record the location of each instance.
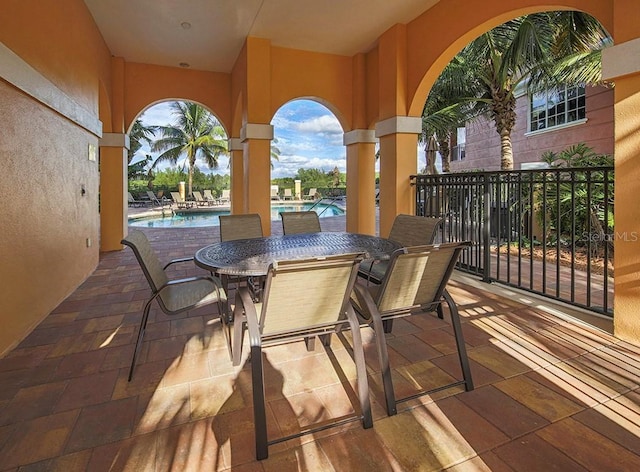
(139, 133)
(536, 51)
(196, 133)
(446, 108)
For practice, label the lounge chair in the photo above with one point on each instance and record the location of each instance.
(274, 194)
(208, 196)
(318, 291)
(225, 197)
(287, 194)
(311, 195)
(408, 230)
(200, 201)
(173, 296)
(154, 200)
(132, 202)
(179, 201)
(294, 222)
(414, 283)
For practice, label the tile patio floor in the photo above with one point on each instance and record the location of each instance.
(552, 392)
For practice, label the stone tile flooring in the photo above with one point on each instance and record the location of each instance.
(552, 392)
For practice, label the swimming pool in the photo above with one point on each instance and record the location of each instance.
(184, 219)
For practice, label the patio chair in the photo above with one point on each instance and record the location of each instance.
(287, 194)
(225, 197)
(173, 296)
(414, 283)
(132, 202)
(153, 199)
(208, 196)
(179, 201)
(274, 194)
(294, 222)
(200, 200)
(311, 194)
(302, 299)
(233, 227)
(246, 226)
(408, 230)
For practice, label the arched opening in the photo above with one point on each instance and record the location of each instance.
(308, 160)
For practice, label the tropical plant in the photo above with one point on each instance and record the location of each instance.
(582, 200)
(139, 134)
(196, 133)
(534, 51)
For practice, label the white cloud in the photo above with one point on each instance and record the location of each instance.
(325, 124)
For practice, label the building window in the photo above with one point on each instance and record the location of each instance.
(557, 106)
(458, 151)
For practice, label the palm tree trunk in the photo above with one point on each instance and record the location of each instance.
(506, 151)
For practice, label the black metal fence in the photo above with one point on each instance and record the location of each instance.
(548, 231)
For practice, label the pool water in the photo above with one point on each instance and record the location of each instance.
(210, 218)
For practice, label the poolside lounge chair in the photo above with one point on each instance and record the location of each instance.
(208, 196)
(408, 230)
(319, 290)
(179, 201)
(295, 222)
(274, 194)
(225, 197)
(132, 202)
(311, 195)
(153, 199)
(173, 296)
(414, 283)
(200, 201)
(287, 194)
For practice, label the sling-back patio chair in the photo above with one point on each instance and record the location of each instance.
(408, 230)
(200, 200)
(296, 222)
(132, 202)
(287, 194)
(180, 202)
(302, 299)
(414, 283)
(234, 227)
(173, 296)
(311, 194)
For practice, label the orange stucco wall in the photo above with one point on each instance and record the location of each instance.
(46, 220)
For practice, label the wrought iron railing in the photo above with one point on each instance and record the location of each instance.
(548, 231)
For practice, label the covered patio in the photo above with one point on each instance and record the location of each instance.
(551, 390)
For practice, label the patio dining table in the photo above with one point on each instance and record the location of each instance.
(252, 257)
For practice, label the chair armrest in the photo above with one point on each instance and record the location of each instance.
(174, 261)
(251, 315)
(364, 306)
(191, 279)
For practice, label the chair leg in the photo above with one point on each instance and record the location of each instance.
(141, 330)
(462, 350)
(361, 371)
(238, 331)
(388, 325)
(259, 407)
(383, 359)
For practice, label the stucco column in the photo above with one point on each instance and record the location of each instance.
(361, 159)
(621, 63)
(398, 160)
(113, 190)
(236, 163)
(256, 142)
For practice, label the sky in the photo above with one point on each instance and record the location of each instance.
(307, 134)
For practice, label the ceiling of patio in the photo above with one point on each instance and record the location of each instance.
(209, 34)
